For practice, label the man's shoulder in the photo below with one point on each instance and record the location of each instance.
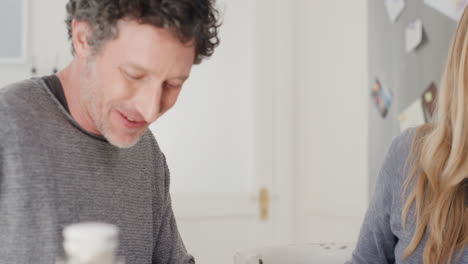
(19, 94)
(149, 142)
(18, 103)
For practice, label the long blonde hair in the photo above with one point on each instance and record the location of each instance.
(437, 182)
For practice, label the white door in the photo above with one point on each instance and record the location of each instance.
(332, 99)
(229, 137)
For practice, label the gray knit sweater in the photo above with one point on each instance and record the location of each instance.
(53, 173)
(382, 239)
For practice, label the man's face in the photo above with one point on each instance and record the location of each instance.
(133, 80)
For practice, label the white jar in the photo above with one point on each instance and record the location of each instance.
(91, 243)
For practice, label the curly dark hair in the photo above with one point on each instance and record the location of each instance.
(189, 20)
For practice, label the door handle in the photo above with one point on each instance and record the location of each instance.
(264, 202)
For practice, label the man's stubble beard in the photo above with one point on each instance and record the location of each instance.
(93, 105)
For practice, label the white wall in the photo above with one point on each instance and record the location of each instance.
(331, 119)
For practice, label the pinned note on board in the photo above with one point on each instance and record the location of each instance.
(414, 35)
(382, 98)
(394, 9)
(412, 116)
(429, 100)
(451, 8)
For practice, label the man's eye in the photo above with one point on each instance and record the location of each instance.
(134, 76)
(172, 85)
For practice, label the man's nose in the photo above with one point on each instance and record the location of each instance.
(148, 101)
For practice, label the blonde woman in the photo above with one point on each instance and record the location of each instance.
(419, 211)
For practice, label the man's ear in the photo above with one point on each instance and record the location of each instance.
(81, 31)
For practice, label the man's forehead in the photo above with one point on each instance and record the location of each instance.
(144, 69)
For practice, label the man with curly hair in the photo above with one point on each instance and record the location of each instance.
(75, 146)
